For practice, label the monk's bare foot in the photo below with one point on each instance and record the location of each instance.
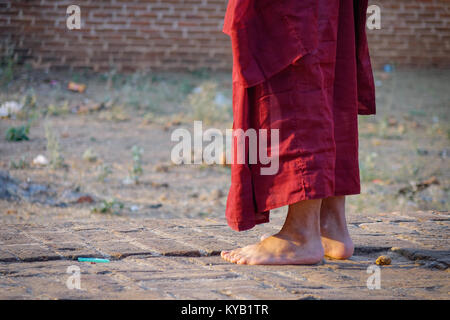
(336, 239)
(338, 248)
(298, 242)
(277, 249)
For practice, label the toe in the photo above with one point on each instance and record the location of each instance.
(229, 255)
(235, 257)
(234, 253)
(242, 260)
(224, 255)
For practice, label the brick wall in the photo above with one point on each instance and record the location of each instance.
(413, 33)
(186, 34)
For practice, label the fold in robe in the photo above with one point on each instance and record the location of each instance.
(301, 67)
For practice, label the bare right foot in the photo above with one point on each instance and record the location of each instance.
(336, 240)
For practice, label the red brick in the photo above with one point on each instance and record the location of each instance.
(186, 34)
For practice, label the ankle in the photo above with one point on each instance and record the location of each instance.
(334, 229)
(299, 236)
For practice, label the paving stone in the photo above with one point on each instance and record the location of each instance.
(390, 228)
(7, 256)
(209, 245)
(31, 252)
(178, 259)
(95, 235)
(13, 290)
(73, 250)
(7, 238)
(119, 249)
(377, 242)
(415, 254)
(59, 236)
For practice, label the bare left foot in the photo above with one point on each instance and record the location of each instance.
(298, 242)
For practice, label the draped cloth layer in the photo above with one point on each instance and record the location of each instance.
(303, 68)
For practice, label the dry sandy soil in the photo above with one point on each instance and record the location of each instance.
(404, 149)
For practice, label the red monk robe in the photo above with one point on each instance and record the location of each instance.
(302, 67)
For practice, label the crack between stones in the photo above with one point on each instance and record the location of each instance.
(116, 257)
(200, 254)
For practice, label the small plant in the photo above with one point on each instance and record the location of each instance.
(29, 111)
(21, 164)
(208, 104)
(105, 171)
(7, 70)
(136, 170)
(29, 100)
(54, 110)
(116, 114)
(53, 148)
(383, 128)
(18, 133)
(8, 61)
(109, 206)
(367, 167)
(90, 155)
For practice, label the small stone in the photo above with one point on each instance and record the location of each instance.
(77, 87)
(85, 199)
(159, 185)
(128, 181)
(383, 261)
(161, 167)
(10, 107)
(116, 255)
(74, 196)
(203, 197)
(216, 194)
(40, 160)
(90, 155)
(392, 121)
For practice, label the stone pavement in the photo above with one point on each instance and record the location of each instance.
(179, 259)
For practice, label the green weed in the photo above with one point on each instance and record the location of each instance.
(19, 133)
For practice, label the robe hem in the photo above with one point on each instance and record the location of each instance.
(239, 225)
(245, 225)
(366, 113)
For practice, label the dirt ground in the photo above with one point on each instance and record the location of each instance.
(404, 149)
